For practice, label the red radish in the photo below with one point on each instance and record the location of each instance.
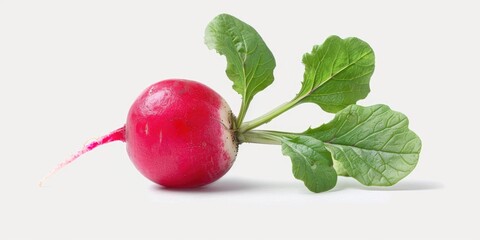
(179, 133)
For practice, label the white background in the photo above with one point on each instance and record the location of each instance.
(69, 71)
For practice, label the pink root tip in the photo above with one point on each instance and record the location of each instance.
(117, 135)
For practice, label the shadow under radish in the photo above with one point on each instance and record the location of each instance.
(404, 185)
(231, 185)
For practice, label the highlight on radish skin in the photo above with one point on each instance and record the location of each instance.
(179, 133)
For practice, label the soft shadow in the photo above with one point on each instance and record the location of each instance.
(222, 185)
(412, 185)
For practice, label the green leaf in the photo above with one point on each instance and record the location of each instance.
(337, 73)
(311, 162)
(373, 144)
(250, 63)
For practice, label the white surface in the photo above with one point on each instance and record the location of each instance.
(69, 71)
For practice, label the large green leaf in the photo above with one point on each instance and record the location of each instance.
(250, 63)
(373, 144)
(311, 162)
(337, 73)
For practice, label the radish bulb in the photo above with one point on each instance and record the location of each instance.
(179, 133)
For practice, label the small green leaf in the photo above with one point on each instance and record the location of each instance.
(337, 73)
(373, 144)
(311, 162)
(250, 63)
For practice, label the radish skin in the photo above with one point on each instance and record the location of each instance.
(180, 134)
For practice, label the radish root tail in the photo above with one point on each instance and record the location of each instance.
(117, 135)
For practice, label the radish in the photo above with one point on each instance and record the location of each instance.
(182, 134)
(179, 133)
